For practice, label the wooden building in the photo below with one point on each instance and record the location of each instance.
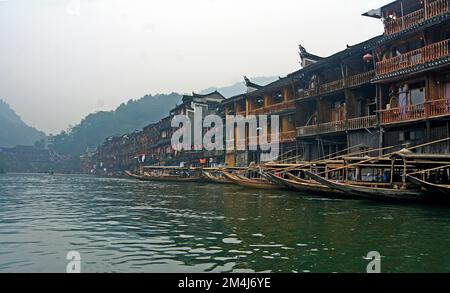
(276, 98)
(412, 73)
(392, 90)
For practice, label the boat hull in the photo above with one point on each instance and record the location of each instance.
(163, 178)
(371, 193)
(308, 188)
(436, 192)
(251, 183)
(213, 179)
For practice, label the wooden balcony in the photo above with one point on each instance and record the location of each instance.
(337, 85)
(308, 93)
(412, 112)
(396, 25)
(275, 108)
(430, 109)
(241, 113)
(438, 108)
(420, 56)
(362, 122)
(285, 136)
(436, 8)
(322, 128)
(433, 9)
(359, 79)
(333, 86)
(338, 126)
(307, 130)
(335, 126)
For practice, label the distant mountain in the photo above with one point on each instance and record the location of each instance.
(13, 131)
(239, 87)
(96, 127)
(134, 115)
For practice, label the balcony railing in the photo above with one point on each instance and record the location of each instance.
(332, 86)
(274, 108)
(360, 79)
(428, 109)
(338, 126)
(437, 7)
(307, 130)
(337, 85)
(420, 56)
(396, 25)
(433, 9)
(308, 93)
(362, 122)
(411, 112)
(335, 126)
(438, 108)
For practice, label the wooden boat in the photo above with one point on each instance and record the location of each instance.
(310, 187)
(218, 178)
(135, 176)
(251, 183)
(441, 192)
(168, 178)
(370, 192)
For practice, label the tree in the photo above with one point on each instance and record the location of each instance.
(40, 144)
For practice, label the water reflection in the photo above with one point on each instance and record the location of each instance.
(121, 225)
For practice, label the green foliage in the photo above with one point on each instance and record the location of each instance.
(40, 144)
(95, 128)
(13, 131)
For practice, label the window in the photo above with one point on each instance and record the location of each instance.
(212, 106)
(414, 135)
(417, 93)
(277, 97)
(259, 102)
(290, 119)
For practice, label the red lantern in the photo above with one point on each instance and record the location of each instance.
(368, 57)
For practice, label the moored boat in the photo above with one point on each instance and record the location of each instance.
(371, 190)
(133, 175)
(259, 183)
(308, 187)
(439, 192)
(215, 177)
(170, 174)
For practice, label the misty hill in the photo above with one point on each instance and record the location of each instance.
(13, 131)
(96, 127)
(239, 87)
(134, 115)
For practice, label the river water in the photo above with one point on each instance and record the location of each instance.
(121, 225)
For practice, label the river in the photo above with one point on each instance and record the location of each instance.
(121, 225)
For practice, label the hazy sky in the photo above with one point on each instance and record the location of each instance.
(62, 59)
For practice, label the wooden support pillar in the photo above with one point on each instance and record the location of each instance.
(428, 134)
(378, 103)
(247, 106)
(349, 150)
(448, 141)
(350, 102)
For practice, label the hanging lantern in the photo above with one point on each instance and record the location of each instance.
(368, 57)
